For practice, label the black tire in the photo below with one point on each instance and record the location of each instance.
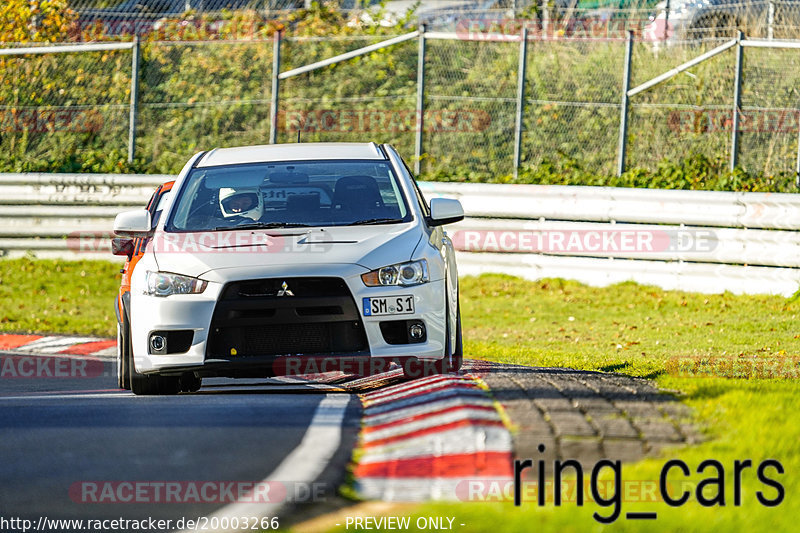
(457, 357)
(190, 382)
(144, 384)
(123, 380)
(452, 361)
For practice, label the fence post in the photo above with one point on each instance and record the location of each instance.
(134, 106)
(771, 20)
(276, 88)
(545, 17)
(797, 165)
(623, 113)
(737, 101)
(521, 72)
(420, 100)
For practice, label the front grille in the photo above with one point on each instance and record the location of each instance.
(299, 287)
(286, 316)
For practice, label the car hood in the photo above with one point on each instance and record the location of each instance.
(195, 254)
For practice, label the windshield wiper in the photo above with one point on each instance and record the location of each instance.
(370, 221)
(263, 225)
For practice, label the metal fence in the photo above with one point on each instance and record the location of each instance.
(735, 102)
(477, 106)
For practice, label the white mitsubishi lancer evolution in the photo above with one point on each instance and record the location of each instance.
(290, 258)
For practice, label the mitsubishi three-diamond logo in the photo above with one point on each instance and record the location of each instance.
(285, 291)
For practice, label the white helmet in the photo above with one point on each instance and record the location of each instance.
(241, 203)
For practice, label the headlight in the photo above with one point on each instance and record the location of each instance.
(412, 273)
(165, 284)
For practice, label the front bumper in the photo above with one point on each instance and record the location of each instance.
(195, 312)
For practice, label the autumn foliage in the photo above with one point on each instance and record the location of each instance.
(23, 21)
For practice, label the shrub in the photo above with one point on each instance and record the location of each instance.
(35, 20)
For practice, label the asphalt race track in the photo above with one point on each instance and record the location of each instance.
(60, 434)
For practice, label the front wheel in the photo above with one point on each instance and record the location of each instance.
(454, 360)
(190, 382)
(453, 357)
(153, 385)
(123, 355)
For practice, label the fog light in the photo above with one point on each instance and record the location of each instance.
(416, 331)
(158, 344)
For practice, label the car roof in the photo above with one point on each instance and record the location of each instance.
(290, 152)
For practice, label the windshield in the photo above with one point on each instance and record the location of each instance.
(289, 194)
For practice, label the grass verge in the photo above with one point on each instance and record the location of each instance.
(50, 296)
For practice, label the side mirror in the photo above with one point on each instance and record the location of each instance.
(122, 246)
(445, 211)
(133, 223)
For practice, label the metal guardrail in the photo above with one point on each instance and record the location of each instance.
(699, 240)
(616, 204)
(702, 241)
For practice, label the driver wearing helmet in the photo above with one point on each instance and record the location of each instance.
(241, 203)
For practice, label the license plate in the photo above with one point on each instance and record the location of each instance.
(392, 305)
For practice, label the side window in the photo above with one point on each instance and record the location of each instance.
(151, 204)
(139, 243)
(162, 200)
(421, 199)
(423, 205)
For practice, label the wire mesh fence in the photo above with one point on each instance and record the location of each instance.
(770, 111)
(470, 92)
(54, 106)
(198, 95)
(669, 121)
(572, 110)
(71, 110)
(372, 97)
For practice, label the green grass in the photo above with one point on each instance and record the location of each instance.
(49, 296)
(625, 328)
